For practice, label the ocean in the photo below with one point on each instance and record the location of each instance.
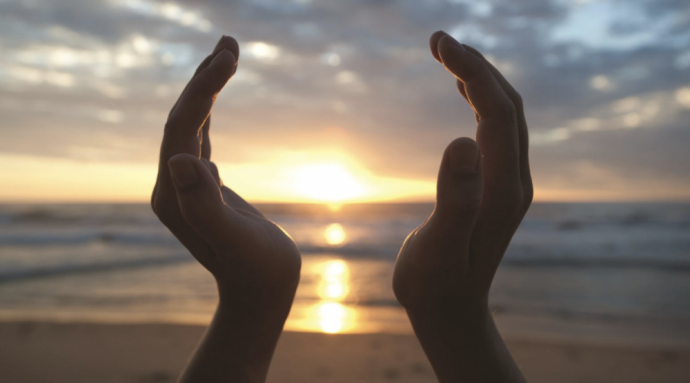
(607, 273)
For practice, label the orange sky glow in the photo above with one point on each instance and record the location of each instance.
(300, 180)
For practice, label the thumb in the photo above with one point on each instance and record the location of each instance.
(201, 201)
(460, 187)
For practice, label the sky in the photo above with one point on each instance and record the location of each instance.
(341, 101)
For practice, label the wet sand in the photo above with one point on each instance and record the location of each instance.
(154, 353)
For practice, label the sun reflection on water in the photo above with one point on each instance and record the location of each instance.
(332, 316)
(335, 281)
(334, 234)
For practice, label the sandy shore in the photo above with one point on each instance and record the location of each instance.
(150, 353)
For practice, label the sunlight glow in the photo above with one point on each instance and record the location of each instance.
(328, 182)
(263, 51)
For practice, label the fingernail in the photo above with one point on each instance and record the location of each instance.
(463, 157)
(183, 172)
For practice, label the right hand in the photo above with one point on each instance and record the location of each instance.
(484, 190)
(255, 262)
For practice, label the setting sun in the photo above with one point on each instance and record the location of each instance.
(328, 182)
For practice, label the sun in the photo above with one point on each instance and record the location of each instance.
(327, 182)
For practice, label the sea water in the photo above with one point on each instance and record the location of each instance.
(616, 273)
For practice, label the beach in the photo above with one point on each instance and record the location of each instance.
(33, 352)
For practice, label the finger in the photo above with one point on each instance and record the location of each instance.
(497, 133)
(181, 133)
(201, 202)
(483, 90)
(523, 134)
(433, 44)
(463, 92)
(195, 104)
(459, 188)
(225, 42)
(182, 129)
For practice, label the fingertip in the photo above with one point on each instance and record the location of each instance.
(182, 157)
(227, 43)
(433, 44)
(457, 60)
(224, 57)
(460, 185)
(183, 170)
(449, 48)
(217, 74)
(232, 45)
(463, 156)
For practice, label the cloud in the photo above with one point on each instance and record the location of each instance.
(82, 79)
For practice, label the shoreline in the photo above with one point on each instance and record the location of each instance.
(513, 328)
(40, 351)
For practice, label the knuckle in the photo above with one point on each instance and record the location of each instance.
(507, 110)
(502, 110)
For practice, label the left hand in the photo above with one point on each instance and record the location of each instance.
(254, 261)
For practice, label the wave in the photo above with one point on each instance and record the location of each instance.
(81, 237)
(666, 265)
(88, 268)
(564, 216)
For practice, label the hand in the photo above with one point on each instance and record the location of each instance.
(255, 263)
(253, 260)
(445, 267)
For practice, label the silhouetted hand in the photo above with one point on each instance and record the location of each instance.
(445, 267)
(255, 263)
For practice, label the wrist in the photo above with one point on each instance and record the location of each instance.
(256, 302)
(470, 316)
